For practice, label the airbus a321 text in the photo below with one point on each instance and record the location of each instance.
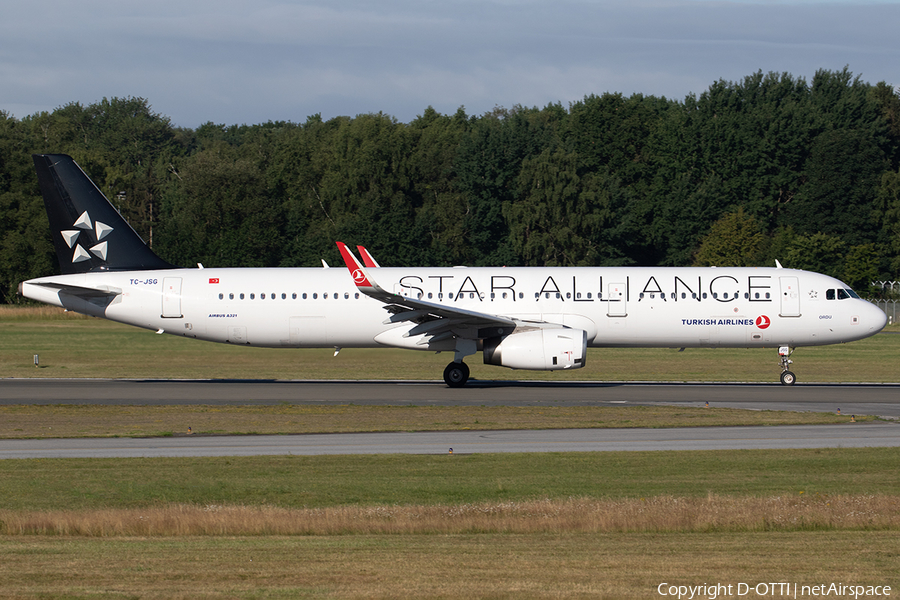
(541, 318)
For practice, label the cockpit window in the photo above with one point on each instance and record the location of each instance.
(840, 294)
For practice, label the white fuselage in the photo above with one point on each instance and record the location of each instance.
(616, 306)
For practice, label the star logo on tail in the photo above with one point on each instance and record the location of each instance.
(83, 224)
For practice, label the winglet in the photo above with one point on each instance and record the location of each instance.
(368, 260)
(357, 271)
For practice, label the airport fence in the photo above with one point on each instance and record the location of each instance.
(889, 307)
(890, 290)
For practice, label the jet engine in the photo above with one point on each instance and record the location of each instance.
(538, 349)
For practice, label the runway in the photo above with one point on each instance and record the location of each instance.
(863, 399)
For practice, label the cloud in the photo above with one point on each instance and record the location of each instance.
(234, 61)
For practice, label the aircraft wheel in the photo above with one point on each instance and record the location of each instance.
(456, 374)
(788, 378)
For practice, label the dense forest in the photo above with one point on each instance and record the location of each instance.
(771, 167)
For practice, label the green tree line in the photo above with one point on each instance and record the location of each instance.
(770, 167)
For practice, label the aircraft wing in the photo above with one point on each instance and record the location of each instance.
(438, 321)
(368, 259)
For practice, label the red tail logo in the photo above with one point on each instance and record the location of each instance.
(359, 277)
(763, 321)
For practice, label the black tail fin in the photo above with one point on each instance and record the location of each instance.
(88, 233)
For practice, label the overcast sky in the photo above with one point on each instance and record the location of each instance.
(237, 61)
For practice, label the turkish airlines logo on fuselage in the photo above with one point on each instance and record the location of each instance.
(763, 321)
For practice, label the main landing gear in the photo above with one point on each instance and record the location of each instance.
(787, 377)
(456, 374)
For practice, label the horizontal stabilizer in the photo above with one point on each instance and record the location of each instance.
(80, 292)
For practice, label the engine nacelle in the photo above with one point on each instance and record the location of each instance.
(538, 350)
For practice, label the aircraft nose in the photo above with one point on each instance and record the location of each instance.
(874, 318)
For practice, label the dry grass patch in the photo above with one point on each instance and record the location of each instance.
(660, 514)
(496, 566)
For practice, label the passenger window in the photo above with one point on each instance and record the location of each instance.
(294, 296)
(315, 296)
(221, 296)
(231, 296)
(252, 296)
(242, 295)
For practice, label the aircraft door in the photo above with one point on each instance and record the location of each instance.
(790, 297)
(615, 300)
(171, 299)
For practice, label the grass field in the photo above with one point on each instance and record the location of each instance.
(77, 346)
(570, 525)
(573, 525)
(60, 421)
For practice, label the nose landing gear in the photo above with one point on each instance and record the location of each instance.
(787, 376)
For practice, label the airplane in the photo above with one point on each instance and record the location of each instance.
(537, 318)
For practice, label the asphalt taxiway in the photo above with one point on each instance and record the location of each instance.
(849, 435)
